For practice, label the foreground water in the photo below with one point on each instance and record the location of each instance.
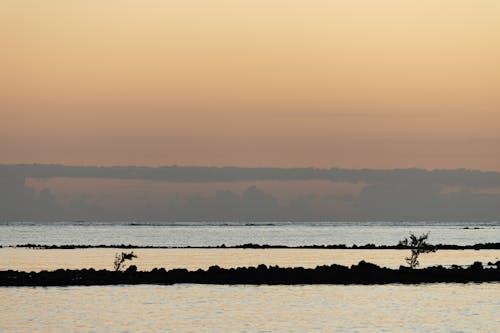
(213, 234)
(214, 308)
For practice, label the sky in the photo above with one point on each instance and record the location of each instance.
(366, 86)
(352, 84)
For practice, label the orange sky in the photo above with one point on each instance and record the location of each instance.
(363, 84)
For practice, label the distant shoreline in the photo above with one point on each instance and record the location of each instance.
(479, 246)
(362, 273)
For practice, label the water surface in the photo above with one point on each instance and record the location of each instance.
(243, 308)
(273, 233)
(215, 308)
(35, 260)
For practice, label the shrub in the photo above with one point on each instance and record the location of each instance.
(120, 259)
(417, 246)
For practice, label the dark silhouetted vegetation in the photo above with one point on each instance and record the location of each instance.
(417, 245)
(120, 259)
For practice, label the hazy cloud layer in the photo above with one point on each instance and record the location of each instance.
(375, 202)
(457, 177)
(409, 194)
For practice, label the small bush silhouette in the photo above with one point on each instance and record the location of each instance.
(417, 245)
(120, 259)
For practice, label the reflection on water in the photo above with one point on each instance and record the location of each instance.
(207, 308)
(36, 260)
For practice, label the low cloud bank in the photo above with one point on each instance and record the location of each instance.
(406, 194)
(456, 177)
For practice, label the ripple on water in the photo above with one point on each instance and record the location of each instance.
(206, 308)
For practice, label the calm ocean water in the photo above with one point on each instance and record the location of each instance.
(244, 308)
(215, 308)
(192, 259)
(213, 234)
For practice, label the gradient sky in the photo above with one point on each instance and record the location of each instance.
(357, 84)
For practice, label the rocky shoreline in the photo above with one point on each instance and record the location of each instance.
(480, 246)
(362, 273)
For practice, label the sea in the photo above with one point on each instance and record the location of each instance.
(450, 307)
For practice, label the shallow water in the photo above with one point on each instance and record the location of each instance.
(275, 233)
(35, 260)
(243, 308)
(215, 308)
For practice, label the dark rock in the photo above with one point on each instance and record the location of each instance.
(362, 273)
(131, 269)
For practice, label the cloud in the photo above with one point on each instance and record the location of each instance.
(406, 194)
(18, 202)
(425, 202)
(456, 177)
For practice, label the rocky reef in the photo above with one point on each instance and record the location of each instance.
(362, 273)
(479, 246)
